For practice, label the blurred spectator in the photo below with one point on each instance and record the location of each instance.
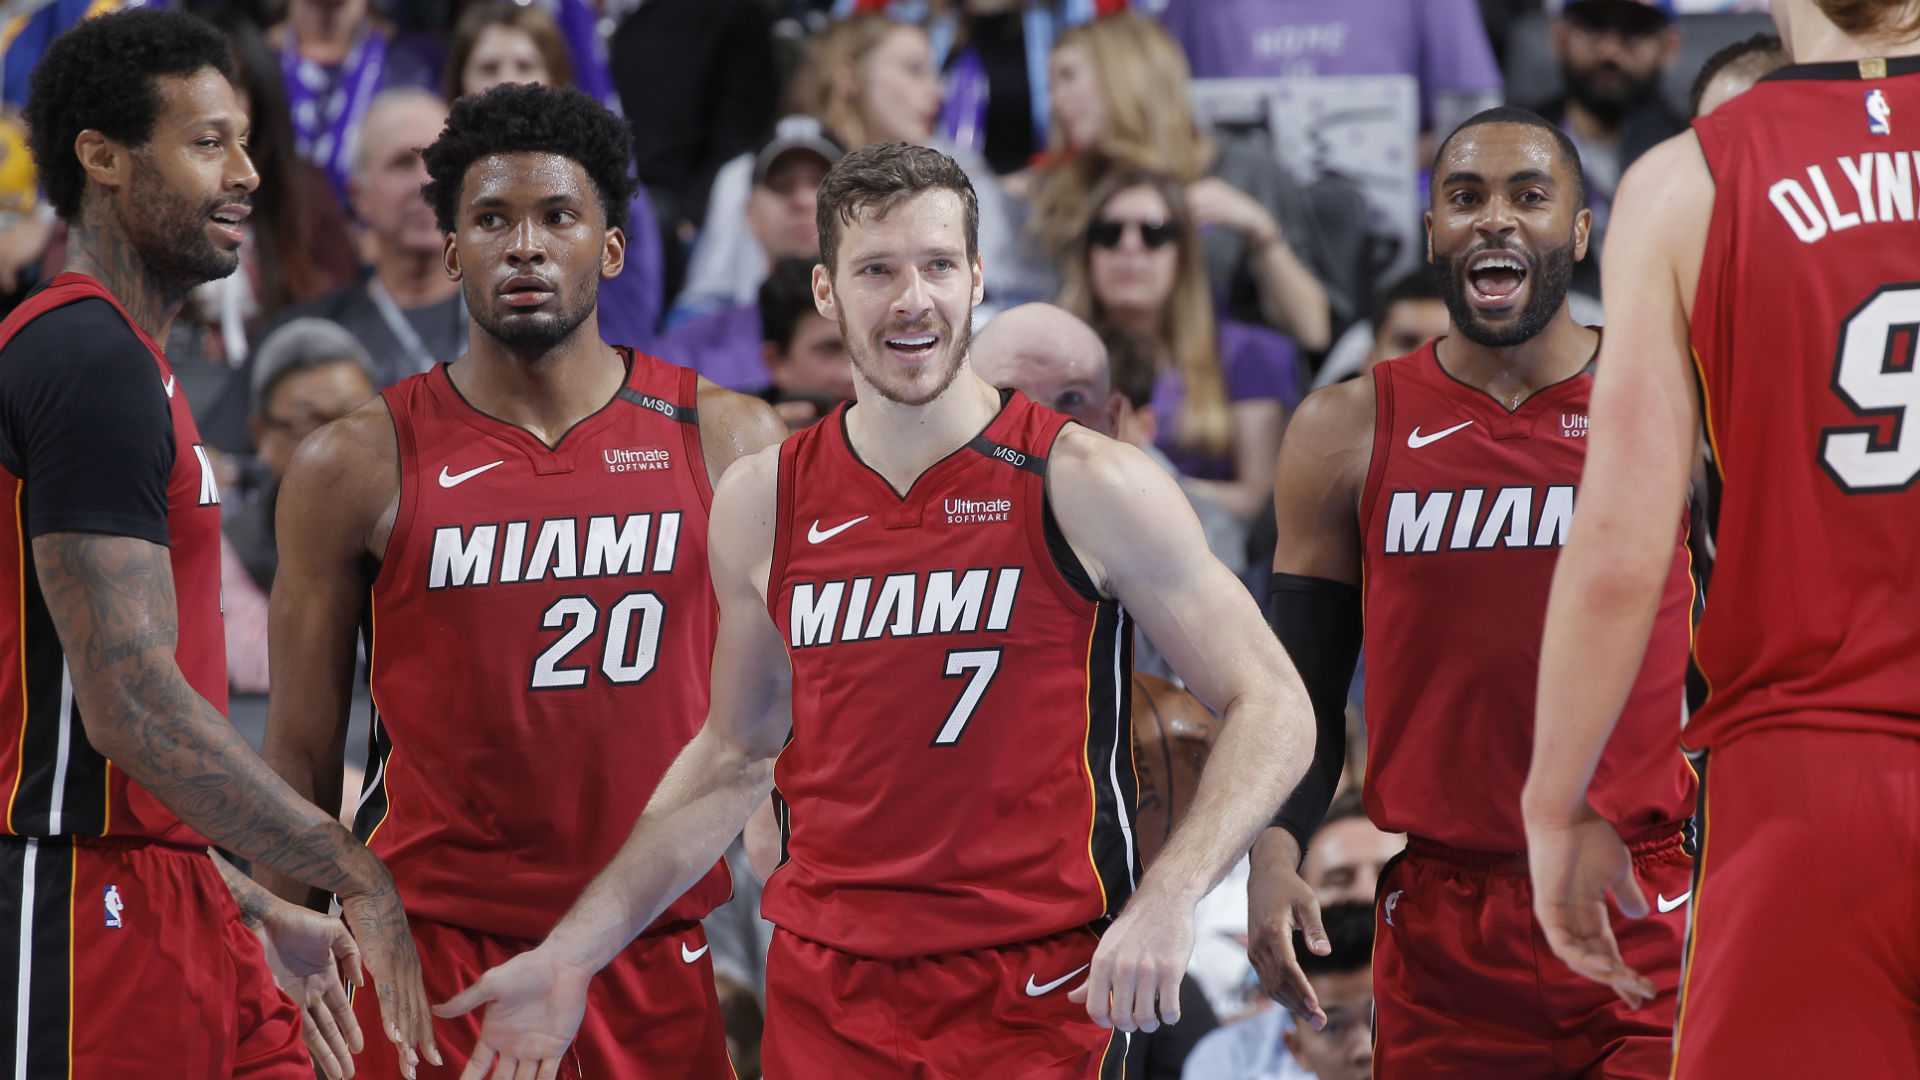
(1441, 43)
(803, 349)
(996, 76)
(1119, 100)
(743, 1019)
(336, 56)
(1223, 387)
(1612, 56)
(406, 313)
(779, 223)
(866, 79)
(27, 222)
(299, 244)
(696, 82)
(499, 42)
(1408, 315)
(1733, 70)
(1343, 982)
(308, 373)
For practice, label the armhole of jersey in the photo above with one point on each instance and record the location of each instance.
(1382, 446)
(1064, 571)
(782, 523)
(696, 449)
(409, 495)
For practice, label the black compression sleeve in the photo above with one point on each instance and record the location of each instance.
(1318, 621)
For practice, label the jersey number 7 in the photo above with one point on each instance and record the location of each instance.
(983, 664)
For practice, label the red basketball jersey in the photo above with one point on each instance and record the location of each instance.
(542, 632)
(57, 783)
(1804, 332)
(1466, 508)
(960, 774)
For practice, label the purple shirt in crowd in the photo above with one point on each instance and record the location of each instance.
(723, 345)
(1257, 363)
(630, 303)
(1442, 43)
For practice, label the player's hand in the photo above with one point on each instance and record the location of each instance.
(379, 926)
(1279, 902)
(308, 953)
(1134, 981)
(1575, 863)
(534, 1007)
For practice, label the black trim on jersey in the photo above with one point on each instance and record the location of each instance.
(49, 937)
(1698, 834)
(1588, 368)
(1019, 459)
(83, 788)
(846, 438)
(685, 414)
(372, 811)
(1064, 558)
(1116, 788)
(1844, 70)
(1113, 1064)
(626, 355)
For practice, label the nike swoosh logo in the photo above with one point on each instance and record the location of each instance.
(1667, 905)
(815, 535)
(457, 479)
(170, 385)
(1037, 990)
(690, 955)
(1415, 440)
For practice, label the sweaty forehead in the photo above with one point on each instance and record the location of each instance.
(1497, 151)
(529, 175)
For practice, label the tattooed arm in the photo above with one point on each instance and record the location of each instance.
(112, 601)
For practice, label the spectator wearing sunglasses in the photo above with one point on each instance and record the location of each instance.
(1222, 388)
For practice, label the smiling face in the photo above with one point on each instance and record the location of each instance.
(1505, 230)
(190, 187)
(1134, 276)
(903, 292)
(530, 245)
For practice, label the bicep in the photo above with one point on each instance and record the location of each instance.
(751, 676)
(1316, 490)
(112, 602)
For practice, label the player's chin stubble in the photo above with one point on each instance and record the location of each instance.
(532, 335)
(1547, 290)
(171, 233)
(917, 388)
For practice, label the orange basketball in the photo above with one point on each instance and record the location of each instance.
(1172, 735)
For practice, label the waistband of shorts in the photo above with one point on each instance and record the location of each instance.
(1650, 843)
(108, 843)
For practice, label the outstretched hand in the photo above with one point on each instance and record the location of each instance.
(534, 1006)
(1133, 983)
(379, 926)
(1574, 865)
(309, 954)
(1279, 902)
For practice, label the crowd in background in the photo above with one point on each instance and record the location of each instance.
(1227, 191)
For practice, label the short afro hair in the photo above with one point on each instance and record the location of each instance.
(101, 75)
(1507, 114)
(521, 118)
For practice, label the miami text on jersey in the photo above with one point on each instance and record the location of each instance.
(501, 553)
(950, 602)
(1417, 524)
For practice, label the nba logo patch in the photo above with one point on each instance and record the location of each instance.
(1877, 113)
(114, 907)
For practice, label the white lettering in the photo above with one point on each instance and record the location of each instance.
(1004, 589)
(810, 622)
(1835, 218)
(1556, 513)
(1895, 181)
(667, 543)
(510, 554)
(951, 609)
(1463, 521)
(455, 563)
(1512, 508)
(625, 553)
(1860, 175)
(896, 599)
(1412, 524)
(857, 609)
(554, 549)
(1802, 217)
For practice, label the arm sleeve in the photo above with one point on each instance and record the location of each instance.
(1318, 621)
(86, 425)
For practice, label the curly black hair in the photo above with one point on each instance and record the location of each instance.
(100, 75)
(517, 118)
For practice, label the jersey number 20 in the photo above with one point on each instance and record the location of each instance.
(632, 646)
(1875, 373)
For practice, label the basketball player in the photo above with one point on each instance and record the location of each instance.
(529, 523)
(129, 952)
(950, 572)
(1775, 244)
(1445, 481)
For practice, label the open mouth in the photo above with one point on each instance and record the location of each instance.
(913, 344)
(230, 218)
(1494, 278)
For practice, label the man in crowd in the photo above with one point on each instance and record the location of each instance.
(1408, 315)
(803, 350)
(1733, 70)
(1612, 55)
(718, 335)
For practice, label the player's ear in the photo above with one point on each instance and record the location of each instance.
(1582, 231)
(102, 159)
(1428, 218)
(450, 257)
(613, 256)
(979, 281)
(823, 298)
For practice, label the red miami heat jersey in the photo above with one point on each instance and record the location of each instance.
(960, 774)
(1804, 330)
(57, 783)
(1465, 510)
(542, 630)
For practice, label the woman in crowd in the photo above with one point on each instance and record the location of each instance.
(866, 79)
(1223, 387)
(496, 42)
(1119, 94)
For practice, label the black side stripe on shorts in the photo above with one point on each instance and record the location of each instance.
(1113, 1064)
(1116, 855)
(36, 915)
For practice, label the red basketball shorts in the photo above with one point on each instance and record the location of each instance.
(1466, 986)
(959, 1016)
(1804, 955)
(129, 959)
(651, 1014)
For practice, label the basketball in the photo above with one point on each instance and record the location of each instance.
(1172, 735)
